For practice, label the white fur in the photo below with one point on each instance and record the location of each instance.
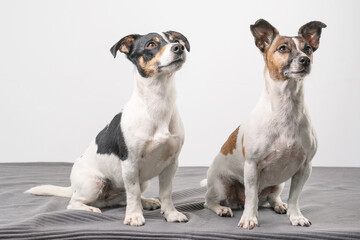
(203, 183)
(279, 143)
(154, 135)
(164, 37)
(50, 190)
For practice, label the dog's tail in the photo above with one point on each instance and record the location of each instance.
(203, 183)
(50, 190)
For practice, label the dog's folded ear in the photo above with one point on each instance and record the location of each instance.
(124, 45)
(176, 36)
(312, 32)
(264, 33)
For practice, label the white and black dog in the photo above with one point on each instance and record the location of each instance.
(140, 143)
(277, 142)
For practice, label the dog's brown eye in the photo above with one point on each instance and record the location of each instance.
(283, 49)
(151, 45)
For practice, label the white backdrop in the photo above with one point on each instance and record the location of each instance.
(59, 84)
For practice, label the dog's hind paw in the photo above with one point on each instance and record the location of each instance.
(94, 209)
(280, 207)
(84, 207)
(225, 212)
(150, 203)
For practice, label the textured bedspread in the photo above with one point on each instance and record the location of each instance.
(330, 200)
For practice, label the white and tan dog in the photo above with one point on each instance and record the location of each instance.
(141, 142)
(277, 142)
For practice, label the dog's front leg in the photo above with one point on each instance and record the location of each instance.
(249, 217)
(165, 189)
(134, 215)
(297, 184)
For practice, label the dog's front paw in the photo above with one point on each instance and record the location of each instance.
(248, 222)
(136, 219)
(299, 220)
(280, 207)
(225, 212)
(175, 216)
(150, 203)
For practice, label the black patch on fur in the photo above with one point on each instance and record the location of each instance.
(139, 49)
(111, 140)
(176, 36)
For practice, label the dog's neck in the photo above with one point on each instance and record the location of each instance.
(286, 97)
(157, 94)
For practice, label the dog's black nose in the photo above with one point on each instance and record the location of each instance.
(177, 48)
(305, 61)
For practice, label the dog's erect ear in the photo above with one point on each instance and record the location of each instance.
(124, 45)
(312, 32)
(264, 33)
(173, 36)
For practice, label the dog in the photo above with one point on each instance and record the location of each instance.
(277, 142)
(141, 142)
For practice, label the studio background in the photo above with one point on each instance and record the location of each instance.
(59, 84)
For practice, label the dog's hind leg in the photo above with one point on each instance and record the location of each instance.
(148, 203)
(275, 201)
(214, 194)
(219, 210)
(86, 188)
(78, 205)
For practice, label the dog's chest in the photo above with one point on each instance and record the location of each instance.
(284, 159)
(162, 147)
(158, 152)
(286, 145)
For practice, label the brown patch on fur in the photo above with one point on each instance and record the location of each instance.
(150, 67)
(312, 33)
(275, 61)
(230, 144)
(126, 44)
(108, 191)
(156, 39)
(263, 195)
(242, 145)
(235, 193)
(176, 35)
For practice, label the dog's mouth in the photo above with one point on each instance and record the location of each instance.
(304, 71)
(175, 62)
(300, 73)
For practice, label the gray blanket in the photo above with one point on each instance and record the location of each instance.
(330, 200)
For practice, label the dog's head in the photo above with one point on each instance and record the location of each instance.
(154, 53)
(287, 57)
